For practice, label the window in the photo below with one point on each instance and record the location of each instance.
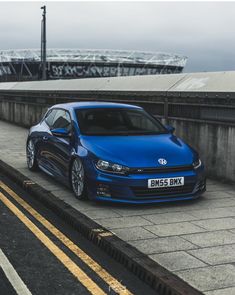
(50, 116)
(137, 120)
(61, 120)
(108, 121)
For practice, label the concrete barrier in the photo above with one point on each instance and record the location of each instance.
(215, 143)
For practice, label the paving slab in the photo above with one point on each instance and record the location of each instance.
(226, 291)
(177, 260)
(177, 235)
(124, 222)
(100, 214)
(163, 245)
(231, 192)
(212, 213)
(216, 203)
(135, 234)
(216, 223)
(209, 278)
(171, 217)
(174, 229)
(216, 188)
(218, 194)
(209, 239)
(215, 255)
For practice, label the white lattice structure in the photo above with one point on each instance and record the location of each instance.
(95, 56)
(25, 64)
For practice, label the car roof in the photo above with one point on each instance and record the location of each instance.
(94, 104)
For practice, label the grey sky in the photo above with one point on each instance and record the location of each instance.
(203, 31)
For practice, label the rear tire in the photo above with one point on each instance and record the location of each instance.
(78, 179)
(31, 156)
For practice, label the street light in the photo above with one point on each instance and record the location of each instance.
(43, 44)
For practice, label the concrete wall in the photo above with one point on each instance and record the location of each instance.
(215, 143)
(22, 113)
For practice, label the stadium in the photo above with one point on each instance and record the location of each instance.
(25, 65)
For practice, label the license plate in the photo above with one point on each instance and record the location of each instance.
(165, 182)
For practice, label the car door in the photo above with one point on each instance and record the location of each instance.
(43, 135)
(59, 149)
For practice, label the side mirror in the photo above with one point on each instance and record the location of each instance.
(60, 132)
(170, 129)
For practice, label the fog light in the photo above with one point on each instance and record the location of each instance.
(103, 190)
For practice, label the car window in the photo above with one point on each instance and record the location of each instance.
(61, 120)
(50, 116)
(138, 121)
(110, 121)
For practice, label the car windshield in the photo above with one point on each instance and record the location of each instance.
(111, 121)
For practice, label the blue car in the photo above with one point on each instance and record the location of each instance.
(114, 152)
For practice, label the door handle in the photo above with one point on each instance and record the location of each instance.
(45, 138)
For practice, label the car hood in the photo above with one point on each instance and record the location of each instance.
(141, 150)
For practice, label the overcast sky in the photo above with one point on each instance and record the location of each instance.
(203, 31)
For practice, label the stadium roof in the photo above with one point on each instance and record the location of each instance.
(95, 56)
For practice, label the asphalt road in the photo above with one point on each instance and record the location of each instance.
(5, 286)
(40, 254)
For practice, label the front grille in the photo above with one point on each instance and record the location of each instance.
(160, 169)
(143, 192)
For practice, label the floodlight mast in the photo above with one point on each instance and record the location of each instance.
(43, 44)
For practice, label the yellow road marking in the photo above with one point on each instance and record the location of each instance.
(101, 272)
(67, 262)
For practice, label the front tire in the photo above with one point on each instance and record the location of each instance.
(78, 180)
(31, 156)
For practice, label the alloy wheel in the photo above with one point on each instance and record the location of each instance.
(30, 154)
(77, 178)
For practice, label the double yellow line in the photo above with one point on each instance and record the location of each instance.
(86, 281)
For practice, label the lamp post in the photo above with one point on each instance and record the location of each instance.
(43, 44)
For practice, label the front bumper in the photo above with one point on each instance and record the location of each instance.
(133, 188)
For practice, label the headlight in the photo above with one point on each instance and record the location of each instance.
(111, 167)
(197, 163)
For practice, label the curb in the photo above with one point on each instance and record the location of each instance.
(147, 270)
